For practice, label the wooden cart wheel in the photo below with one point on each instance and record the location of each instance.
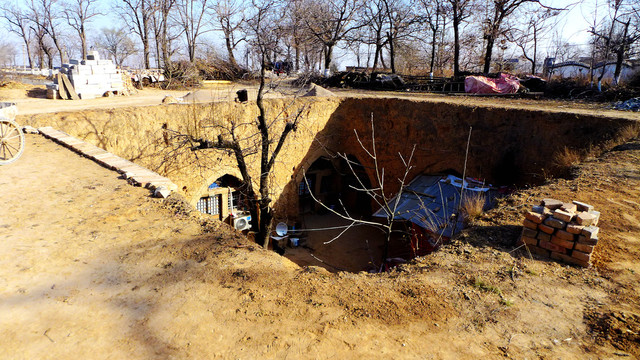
(11, 141)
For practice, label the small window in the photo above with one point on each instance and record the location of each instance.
(209, 205)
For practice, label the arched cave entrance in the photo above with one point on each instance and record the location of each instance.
(335, 183)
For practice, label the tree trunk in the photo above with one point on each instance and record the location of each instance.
(83, 42)
(535, 51)
(26, 46)
(391, 53)
(328, 54)
(620, 54)
(375, 57)
(433, 50)
(145, 51)
(487, 57)
(232, 58)
(456, 44)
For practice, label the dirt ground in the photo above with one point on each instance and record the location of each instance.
(95, 268)
(31, 99)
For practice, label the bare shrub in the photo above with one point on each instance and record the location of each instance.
(567, 158)
(473, 205)
(629, 132)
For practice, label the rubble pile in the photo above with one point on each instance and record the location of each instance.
(566, 232)
(90, 78)
(629, 105)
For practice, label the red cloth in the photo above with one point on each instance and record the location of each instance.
(504, 84)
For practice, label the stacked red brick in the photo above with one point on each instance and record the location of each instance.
(562, 231)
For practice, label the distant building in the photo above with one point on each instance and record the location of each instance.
(581, 69)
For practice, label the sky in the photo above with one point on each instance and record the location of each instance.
(573, 25)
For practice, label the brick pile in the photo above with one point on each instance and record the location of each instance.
(566, 232)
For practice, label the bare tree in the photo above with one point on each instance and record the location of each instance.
(18, 23)
(375, 16)
(531, 32)
(117, 44)
(458, 11)
(191, 17)
(433, 15)
(46, 14)
(44, 46)
(377, 192)
(499, 12)
(330, 21)
(162, 30)
(401, 20)
(231, 18)
(138, 15)
(263, 137)
(78, 14)
(7, 53)
(624, 40)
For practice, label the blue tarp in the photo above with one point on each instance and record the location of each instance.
(432, 202)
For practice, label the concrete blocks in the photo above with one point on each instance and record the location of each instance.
(93, 77)
(138, 175)
(570, 235)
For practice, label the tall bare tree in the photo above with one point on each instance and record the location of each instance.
(330, 21)
(191, 17)
(401, 20)
(137, 14)
(433, 16)
(117, 44)
(499, 12)
(458, 11)
(231, 18)
(374, 14)
(531, 32)
(18, 23)
(47, 16)
(162, 30)
(262, 137)
(78, 14)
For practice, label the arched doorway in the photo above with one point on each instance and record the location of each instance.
(223, 197)
(335, 183)
(354, 177)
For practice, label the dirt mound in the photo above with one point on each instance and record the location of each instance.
(14, 85)
(316, 90)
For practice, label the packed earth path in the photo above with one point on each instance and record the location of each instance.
(92, 267)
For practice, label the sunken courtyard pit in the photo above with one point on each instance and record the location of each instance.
(507, 147)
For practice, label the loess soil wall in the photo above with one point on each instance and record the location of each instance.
(508, 146)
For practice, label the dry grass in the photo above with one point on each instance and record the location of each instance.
(567, 158)
(629, 132)
(473, 205)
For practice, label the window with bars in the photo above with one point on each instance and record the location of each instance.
(238, 201)
(209, 205)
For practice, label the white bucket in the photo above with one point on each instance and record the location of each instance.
(295, 242)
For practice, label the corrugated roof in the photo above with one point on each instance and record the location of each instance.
(432, 202)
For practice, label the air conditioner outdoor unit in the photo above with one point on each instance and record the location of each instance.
(242, 222)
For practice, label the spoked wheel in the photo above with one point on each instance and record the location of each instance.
(11, 141)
